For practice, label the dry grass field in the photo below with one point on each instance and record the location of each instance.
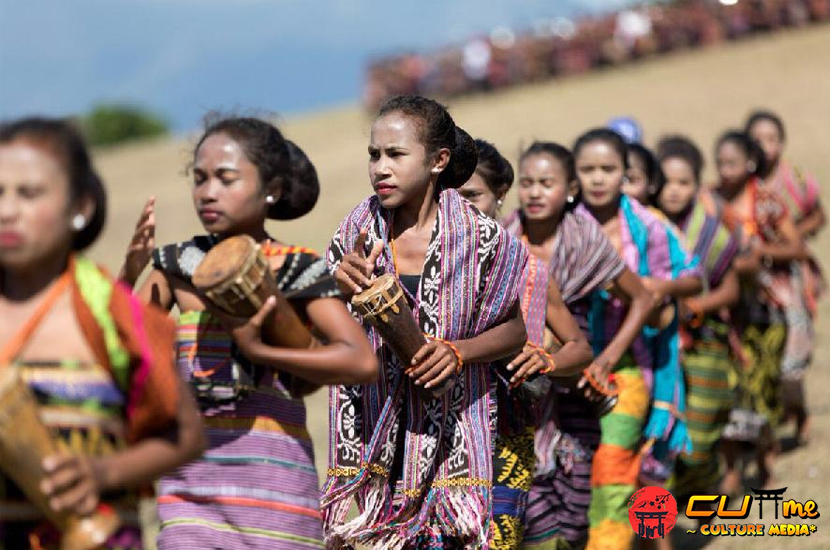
(698, 93)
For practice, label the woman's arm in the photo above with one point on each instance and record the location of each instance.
(435, 362)
(76, 482)
(682, 287)
(347, 358)
(575, 353)
(791, 247)
(157, 290)
(641, 303)
(812, 222)
(726, 294)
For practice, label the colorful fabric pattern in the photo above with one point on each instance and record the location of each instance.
(131, 392)
(583, 262)
(760, 317)
(616, 464)
(256, 486)
(513, 463)
(710, 374)
(417, 464)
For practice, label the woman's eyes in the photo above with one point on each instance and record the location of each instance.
(30, 191)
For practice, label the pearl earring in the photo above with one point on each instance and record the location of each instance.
(78, 222)
(269, 199)
(499, 202)
(751, 166)
(570, 199)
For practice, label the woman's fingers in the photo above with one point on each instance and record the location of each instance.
(440, 373)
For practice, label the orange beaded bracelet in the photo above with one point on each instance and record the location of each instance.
(459, 361)
(550, 365)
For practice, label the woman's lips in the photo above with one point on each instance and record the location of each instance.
(384, 189)
(209, 216)
(10, 239)
(534, 208)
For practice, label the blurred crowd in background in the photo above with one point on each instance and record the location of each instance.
(560, 47)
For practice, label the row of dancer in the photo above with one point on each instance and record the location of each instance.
(425, 471)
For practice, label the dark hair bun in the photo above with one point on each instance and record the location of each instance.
(300, 187)
(463, 161)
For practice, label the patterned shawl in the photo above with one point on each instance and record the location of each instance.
(132, 341)
(651, 248)
(709, 239)
(777, 290)
(443, 446)
(583, 262)
(798, 190)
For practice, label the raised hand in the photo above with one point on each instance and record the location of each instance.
(354, 274)
(141, 245)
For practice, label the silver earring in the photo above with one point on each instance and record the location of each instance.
(751, 166)
(78, 222)
(570, 199)
(269, 199)
(499, 202)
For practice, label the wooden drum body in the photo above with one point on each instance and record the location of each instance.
(236, 277)
(24, 443)
(384, 306)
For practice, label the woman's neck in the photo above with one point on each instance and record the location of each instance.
(419, 213)
(539, 231)
(20, 285)
(606, 213)
(678, 218)
(730, 194)
(257, 233)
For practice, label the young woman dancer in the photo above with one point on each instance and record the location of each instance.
(97, 360)
(652, 395)
(542, 308)
(420, 466)
(581, 261)
(800, 193)
(256, 486)
(772, 243)
(707, 359)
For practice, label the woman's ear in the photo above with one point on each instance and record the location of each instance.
(273, 192)
(85, 206)
(573, 188)
(440, 161)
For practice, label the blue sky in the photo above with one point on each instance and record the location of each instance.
(183, 57)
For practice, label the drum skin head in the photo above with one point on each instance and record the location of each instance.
(224, 262)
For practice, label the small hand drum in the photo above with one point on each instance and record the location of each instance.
(384, 306)
(24, 443)
(236, 277)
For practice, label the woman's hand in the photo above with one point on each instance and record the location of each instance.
(140, 250)
(354, 274)
(531, 360)
(433, 364)
(73, 483)
(247, 331)
(600, 373)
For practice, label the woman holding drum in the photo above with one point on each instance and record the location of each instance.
(520, 403)
(582, 262)
(415, 448)
(91, 406)
(256, 486)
